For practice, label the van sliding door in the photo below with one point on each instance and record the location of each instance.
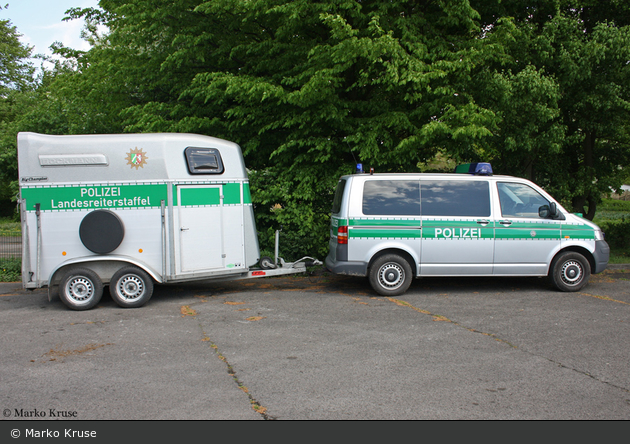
(457, 228)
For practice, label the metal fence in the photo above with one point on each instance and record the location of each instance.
(10, 244)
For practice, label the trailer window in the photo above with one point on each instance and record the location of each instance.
(203, 161)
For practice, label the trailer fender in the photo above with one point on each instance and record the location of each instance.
(103, 266)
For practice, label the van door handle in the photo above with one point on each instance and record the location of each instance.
(483, 222)
(506, 223)
(184, 229)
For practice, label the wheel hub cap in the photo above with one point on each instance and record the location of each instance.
(80, 289)
(391, 276)
(571, 272)
(130, 287)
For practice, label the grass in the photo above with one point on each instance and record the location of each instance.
(10, 269)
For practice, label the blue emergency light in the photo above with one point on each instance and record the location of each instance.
(478, 169)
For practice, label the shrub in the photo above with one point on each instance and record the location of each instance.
(10, 270)
(616, 232)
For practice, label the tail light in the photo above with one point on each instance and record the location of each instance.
(342, 235)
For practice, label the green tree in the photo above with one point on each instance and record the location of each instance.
(559, 85)
(17, 80)
(305, 87)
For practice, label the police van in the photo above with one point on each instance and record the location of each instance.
(394, 227)
(127, 211)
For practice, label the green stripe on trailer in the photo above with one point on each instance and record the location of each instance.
(247, 195)
(200, 196)
(88, 197)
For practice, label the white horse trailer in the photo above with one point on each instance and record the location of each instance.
(133, 209)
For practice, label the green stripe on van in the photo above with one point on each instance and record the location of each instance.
(385, 222)
(387, 228)
(384, 234)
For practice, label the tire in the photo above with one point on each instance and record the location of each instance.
(80, 289)
(570, 271)
(390, 275)
(266, 263)
(131, 287)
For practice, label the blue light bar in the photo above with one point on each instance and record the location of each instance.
(478, 169)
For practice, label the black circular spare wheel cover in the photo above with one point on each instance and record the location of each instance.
(101, 231)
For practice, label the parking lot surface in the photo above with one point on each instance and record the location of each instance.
(323, 348)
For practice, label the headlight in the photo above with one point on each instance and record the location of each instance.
(599, 235)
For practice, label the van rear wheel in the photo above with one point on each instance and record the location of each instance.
(131, 287)
(570, 271)
(390, 275)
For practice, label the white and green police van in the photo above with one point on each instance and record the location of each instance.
(394, 227)
(131, 210)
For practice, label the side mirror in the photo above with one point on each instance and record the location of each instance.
(544, 212)
(549, 211)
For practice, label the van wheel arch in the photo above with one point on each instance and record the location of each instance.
(570, 269)
(402, 253)
(390, 272)
(575, 249)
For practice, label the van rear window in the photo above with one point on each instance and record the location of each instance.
(203, 160)
(391, 198)
(455, 198)
(336, 208)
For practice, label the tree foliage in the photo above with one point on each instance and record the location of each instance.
(309, 88)
(559, 86)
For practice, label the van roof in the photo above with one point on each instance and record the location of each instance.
(437, 175)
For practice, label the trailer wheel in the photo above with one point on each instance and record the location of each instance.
(570, 271)
(390, 275)
(131, 287)
(80, 289)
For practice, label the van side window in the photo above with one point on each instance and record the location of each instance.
(203, 160)
(519, 200)
(391, 198)
(455, 198)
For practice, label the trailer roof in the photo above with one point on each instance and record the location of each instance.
(120, 157)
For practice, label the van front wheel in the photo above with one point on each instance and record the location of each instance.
(570, 271)
(390, 275)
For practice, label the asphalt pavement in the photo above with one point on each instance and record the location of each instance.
(323, 347)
